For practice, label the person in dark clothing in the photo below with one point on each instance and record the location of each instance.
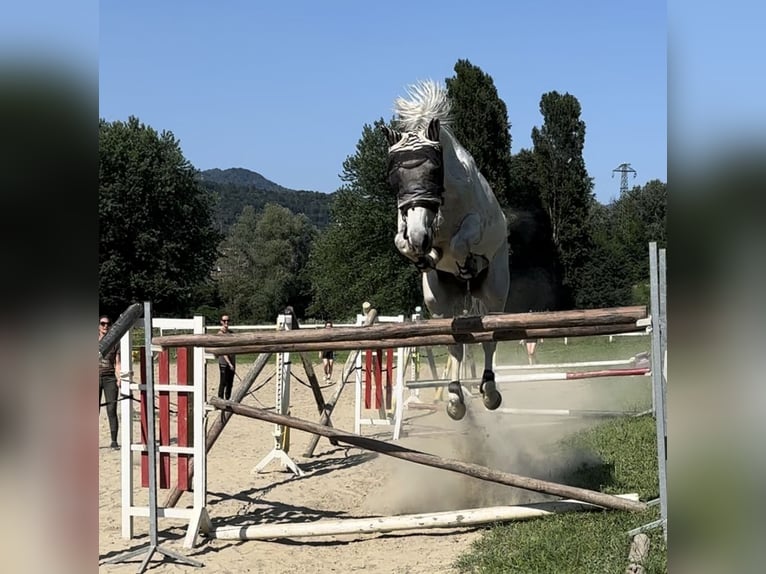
(226, 364)
(108, 371)
(328, 358)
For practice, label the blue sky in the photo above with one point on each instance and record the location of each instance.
(284, 88)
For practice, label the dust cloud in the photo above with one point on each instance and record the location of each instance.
(525, 447)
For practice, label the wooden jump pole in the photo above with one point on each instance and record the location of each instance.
(426, 340)
(445, 519)
(457, 325)
(470, 469)
(215, 430)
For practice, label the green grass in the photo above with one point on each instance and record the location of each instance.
(552, 351)
(584, 542)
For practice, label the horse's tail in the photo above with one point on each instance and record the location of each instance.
(427, 100)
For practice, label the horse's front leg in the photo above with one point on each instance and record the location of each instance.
(456, 399)
(463, 244)
(488, 388)
(444, 299)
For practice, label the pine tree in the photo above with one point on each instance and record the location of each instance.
(480, 123)
(565, 188)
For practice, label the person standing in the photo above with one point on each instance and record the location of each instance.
(531, 346)
(226, 364)
(328, 357)
(108, 373)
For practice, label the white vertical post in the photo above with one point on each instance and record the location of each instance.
(358, 384)
(282, 406)
(200, 519)
(657, 380)
(399, 392)
(126, 430)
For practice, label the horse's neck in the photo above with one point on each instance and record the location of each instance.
(463, 187)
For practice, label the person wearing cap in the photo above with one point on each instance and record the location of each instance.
(226, 364)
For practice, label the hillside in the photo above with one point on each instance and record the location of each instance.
(235, 188)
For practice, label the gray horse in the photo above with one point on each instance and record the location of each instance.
(449, 224)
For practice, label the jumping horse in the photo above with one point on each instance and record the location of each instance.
(450, 224)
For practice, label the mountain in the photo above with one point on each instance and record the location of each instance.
(234, 188)
(240, 176)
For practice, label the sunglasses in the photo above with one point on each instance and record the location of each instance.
(104, 323)
(224, 320)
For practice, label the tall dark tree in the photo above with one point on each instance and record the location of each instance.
(566, 191)
(605, 281)
(617, 273)
(535, 281)
(480, 123)
(354, 259)
(263, 264)
(157, 241)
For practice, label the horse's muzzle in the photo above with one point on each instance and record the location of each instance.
(429, 260)
(420, 241)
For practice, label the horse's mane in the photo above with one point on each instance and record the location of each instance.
(427, 100)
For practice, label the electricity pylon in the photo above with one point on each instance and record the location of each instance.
(624, 169)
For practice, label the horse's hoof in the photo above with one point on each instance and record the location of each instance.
(489, 394)
(455, 410)
(492, 400)
(456, 404)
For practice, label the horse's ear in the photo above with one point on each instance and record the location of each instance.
(392, 136)
(432, 132)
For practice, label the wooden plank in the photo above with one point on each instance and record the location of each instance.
(401, 452)
(455, 326)
(444, 519)
(430, 340)
(308, 366)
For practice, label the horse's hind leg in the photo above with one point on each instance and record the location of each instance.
(493, 294)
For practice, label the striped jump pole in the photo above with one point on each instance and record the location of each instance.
(537, 377)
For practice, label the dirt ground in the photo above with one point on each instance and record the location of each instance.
(346, 482)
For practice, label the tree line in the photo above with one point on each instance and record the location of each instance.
(162, 239)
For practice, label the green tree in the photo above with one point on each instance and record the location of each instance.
(639, 216)
(604, 281)
(566, 191)
(263, 264)
(480, 123)
(156, 239)
(355, 259)
(617, 272)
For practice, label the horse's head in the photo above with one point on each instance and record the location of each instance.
(416, 173)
